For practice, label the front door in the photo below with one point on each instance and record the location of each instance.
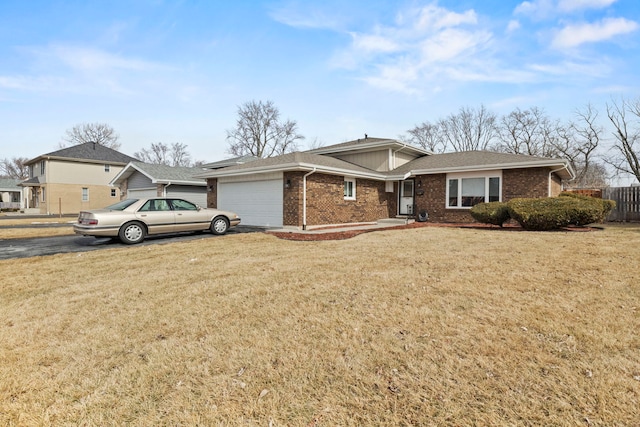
(405, 206)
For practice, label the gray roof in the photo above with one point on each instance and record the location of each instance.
(474, 160)
(88, 151)
(370, 143)
(230, 162)
(293, 161)
(437, 163)
(161, 173)
(9, 184)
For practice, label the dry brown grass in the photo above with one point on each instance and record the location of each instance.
(427, 326)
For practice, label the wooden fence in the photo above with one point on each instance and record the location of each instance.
(627, 203)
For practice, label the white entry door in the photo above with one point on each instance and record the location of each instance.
(405, 205)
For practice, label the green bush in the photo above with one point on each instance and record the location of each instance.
(554, 212)
(495, 213)
(604, 205)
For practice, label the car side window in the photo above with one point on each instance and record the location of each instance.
(147, 206)
(154, 205)
(183, 205)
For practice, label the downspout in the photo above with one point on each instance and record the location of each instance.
(304, 199)
(552, 172)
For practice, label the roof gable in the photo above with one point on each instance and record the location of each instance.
(369, 144)
(162, 174)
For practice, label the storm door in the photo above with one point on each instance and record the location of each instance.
(405, 205)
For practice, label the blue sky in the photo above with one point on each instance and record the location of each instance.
(176, 71)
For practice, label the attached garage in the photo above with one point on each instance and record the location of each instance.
(257, 202)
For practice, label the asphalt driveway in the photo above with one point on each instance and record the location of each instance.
(39, 246)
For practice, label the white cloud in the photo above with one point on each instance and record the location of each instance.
(415, 47)
(535, 8)
(88, 59)
(572, 5)
(544, 9)
(374, 43)
(578, 34)
(513, 25)
(432, 17)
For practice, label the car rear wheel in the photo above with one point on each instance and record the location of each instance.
(131, 233)
(219, 225)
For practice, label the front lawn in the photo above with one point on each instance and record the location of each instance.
(424, 326)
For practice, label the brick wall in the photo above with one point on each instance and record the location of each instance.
(530, 182)
(212, 192)
(326, 204)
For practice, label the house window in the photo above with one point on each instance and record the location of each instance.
(44, 199)
(107, 168)
(42, 164)
(85, 194)
(464, 191)
(349, 188)
(113, 192)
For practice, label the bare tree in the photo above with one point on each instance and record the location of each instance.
(626, 146)
(470, 129)
(100, 133)
(259, 131)
(428, 136)
(163, 154)
(577, 142)
(14, 168)
(529, 132)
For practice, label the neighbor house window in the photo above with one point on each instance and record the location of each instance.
(107, 168)
(85, 194)
(113, 192)
(466, 191)
(349, 188)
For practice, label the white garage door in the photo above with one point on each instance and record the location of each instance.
(142, 193)
(255, 202)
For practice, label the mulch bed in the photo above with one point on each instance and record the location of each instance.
(347, 234)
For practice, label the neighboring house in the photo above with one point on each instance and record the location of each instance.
(138, 179)
(11, 194)
(73, 179)
(373, 178)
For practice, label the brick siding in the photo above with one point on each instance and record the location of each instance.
(212, 192)
(530, 182)
(326, 204)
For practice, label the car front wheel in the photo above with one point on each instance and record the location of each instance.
(131, 233)
(219, 225)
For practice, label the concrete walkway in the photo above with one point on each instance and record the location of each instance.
(337, 228)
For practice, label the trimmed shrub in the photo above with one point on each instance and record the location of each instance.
(553, 213)
(604, 205)
(496, 213)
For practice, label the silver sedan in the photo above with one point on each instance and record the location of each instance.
(131, 220)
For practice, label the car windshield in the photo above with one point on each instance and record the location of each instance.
(122, 205)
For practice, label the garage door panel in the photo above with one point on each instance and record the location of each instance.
(142, 193)
(256, 202)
